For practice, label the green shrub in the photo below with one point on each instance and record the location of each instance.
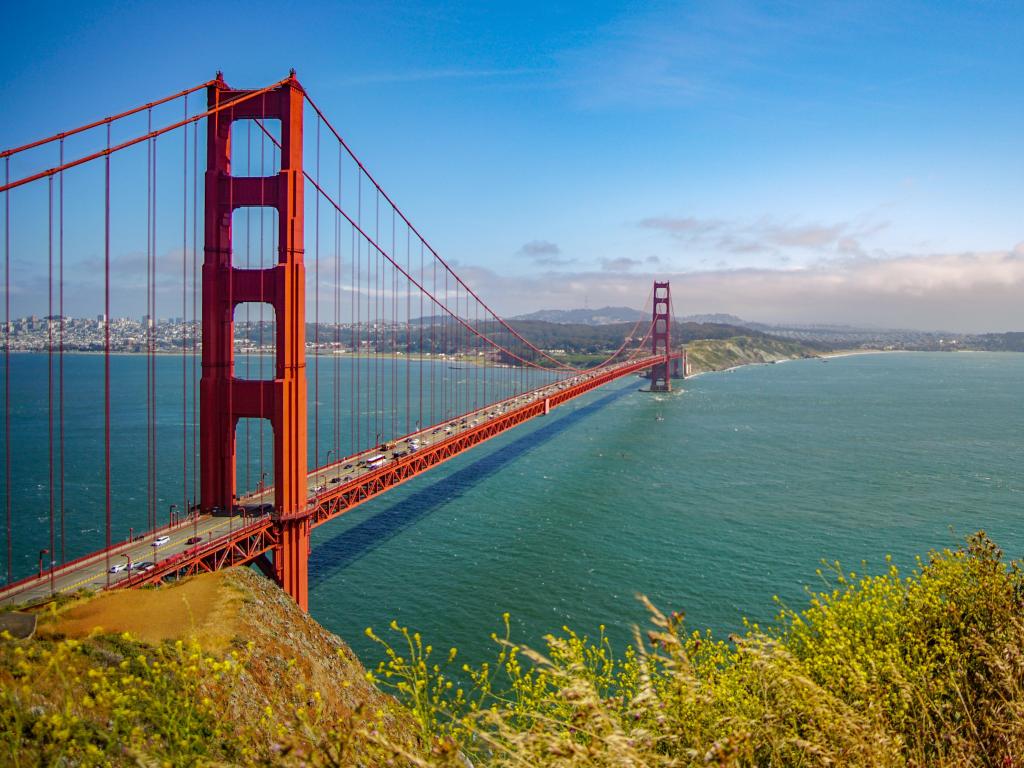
(883, 670)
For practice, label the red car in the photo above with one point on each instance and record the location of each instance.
(194, 540)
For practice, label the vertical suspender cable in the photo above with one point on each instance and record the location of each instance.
(150, 224)
(396, 423)
(106, 349)
(337, 321)
(248, 306)
(472, 373)
(433, 345)
(408, 334)
(423, 360)
(60, 341)
(445, 410)
(152, 339)
(316, 309)
(7, 363)
(394, 345)
(195, 319)
(148, 322)
(184, 315)
(354, 362)
(359, 317)
(151, 344)
(377, 266)
(49, 364)
(263, 200)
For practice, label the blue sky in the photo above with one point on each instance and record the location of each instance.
(831, 162)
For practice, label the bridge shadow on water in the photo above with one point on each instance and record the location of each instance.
(340, 551)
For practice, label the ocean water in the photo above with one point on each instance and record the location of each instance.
(376, 414)
(709, 500)
(749, 479)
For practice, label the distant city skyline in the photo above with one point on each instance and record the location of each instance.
(858, 163)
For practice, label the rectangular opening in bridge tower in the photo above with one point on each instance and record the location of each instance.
(255, 236)
(224, 396)
(254, 458)
(255, 341)
(256, 145)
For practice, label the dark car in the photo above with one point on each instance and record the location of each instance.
(147, 565)
(194, 540)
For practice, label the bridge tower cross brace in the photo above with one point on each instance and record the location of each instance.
(661, 338)
(225, 399)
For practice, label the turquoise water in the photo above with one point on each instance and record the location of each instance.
(749, 480)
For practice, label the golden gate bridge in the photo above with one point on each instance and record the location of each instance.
(380, 296)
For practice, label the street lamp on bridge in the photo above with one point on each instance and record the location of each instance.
(41, 553)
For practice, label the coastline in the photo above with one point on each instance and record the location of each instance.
(823, 356)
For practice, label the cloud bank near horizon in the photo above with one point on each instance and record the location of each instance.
(962, 292)
(969, 292)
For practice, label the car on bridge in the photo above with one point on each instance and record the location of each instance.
(159, 541)
(118, 567)
(194, 540)
(146, 565)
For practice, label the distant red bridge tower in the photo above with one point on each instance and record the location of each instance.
(661, 338)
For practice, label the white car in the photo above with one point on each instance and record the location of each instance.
(159, 541)
(118, 567)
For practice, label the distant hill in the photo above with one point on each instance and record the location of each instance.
(717, 318)
(603, 316)
(612, 315)
(580, 338)
(996, 342)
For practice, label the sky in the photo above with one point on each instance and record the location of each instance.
(821, 162)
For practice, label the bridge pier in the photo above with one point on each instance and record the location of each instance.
(291, 559)
(679, 366)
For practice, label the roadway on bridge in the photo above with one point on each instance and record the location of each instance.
(92, 573)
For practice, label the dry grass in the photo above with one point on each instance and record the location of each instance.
(199, 608)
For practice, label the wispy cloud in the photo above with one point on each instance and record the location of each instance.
(543, 253)
(767, 235)
(541, 248)
(621, 264)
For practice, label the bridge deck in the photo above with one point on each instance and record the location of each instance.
(207, 543)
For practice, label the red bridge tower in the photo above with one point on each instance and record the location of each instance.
(281, 400)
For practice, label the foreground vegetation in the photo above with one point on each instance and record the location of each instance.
(925, 669)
